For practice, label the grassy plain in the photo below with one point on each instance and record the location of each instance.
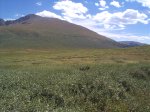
(73, 80)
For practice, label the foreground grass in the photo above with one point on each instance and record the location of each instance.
(67, 81)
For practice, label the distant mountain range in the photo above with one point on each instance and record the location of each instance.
(132, 43)
(33, 31)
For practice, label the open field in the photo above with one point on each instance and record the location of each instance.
(28, 57)
(85, 80)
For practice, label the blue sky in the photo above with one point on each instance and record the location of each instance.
(117, 19)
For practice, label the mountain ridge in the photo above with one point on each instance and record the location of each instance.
(19, 20)
(33, 31)
(133, 43)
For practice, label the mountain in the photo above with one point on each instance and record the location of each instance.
(21, 20)
(33, 31)
(2, 22)
(132, 43)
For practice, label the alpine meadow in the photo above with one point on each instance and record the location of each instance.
(73, 61)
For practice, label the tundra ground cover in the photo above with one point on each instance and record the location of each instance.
(75, 80)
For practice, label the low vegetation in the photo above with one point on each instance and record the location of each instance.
(75, 80)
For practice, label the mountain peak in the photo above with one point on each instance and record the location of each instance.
(22, 20)
(31, 15)
(27, 17)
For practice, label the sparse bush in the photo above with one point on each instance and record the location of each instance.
(84, 68)
(138, 74)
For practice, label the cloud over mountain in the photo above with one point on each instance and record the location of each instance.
(46, 13)
(103, 20)
(71, 10)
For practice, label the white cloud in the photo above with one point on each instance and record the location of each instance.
(102, 5)
(120, 19)
(145, 3)
(96, 4)
(115, 4)
(103, 8)
(46, 13)
(39, 3)
(71, 9)
(19, 15)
